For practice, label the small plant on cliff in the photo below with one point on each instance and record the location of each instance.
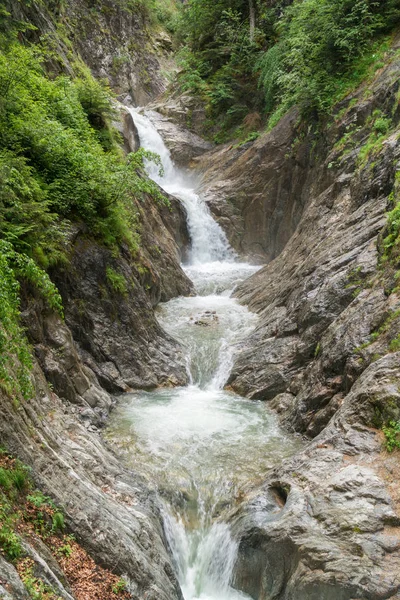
(119, 587)
(58, 523)
(116, 281)
(10, 543)
(392, 435)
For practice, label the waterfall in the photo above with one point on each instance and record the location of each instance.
(194, 441)
(209, 242)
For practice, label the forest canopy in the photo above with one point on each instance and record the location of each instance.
(255, 55)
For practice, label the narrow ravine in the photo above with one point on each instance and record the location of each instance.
(200, 445)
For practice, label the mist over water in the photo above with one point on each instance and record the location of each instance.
(200, 445)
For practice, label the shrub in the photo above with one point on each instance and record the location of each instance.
(10, 543)
(19, 478)
(38, 499)
(119, 587)
(117, 281)
(392, 435)
(5, 479)
(318, 43)
(58, 522)
(382, 125)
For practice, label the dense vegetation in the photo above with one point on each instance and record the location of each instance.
(245, 56)
(60, 167)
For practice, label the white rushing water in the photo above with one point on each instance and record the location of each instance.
(209, 242)
(201, 445)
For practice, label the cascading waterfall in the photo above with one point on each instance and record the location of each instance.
(209, 242)
(194, 442)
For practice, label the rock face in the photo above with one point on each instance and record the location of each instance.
(109, 509)
(326, 523)
(188, 112)
(259, 198)
(109, 342)
(183, 144)
(114, 39)
(316, 299)
(111, 338)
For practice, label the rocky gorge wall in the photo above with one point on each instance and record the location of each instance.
(116, 40)
(326, 524)
(109, 342)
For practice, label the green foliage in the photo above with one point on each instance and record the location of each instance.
(251, 137)
(392, 435)
(58, 159)
(59, 163)
(119, 587)
(5, 479)
(58, 523)
(305, 52)
(38, 499)
(20, 505)
(217, 61)
(116, 281)
(319, 44)
(391, 242)
(15, 356)
(10, 543)
(19, 477)
(394, 345)
(37, 589)
(268, 67)
(382, 125)
(66, 550)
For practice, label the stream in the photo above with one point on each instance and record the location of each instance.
(200, 445)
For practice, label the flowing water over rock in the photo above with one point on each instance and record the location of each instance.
(200, 445)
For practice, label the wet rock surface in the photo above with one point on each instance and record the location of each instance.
(111, 339)
(111, 511)
(321, 358)
(333, 532)
(257, 192)
(187, 111)
(183, 144)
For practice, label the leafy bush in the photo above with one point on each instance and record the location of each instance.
(318, 44)
(119, 587)
(5, 479)
(392, 435)
(58, 523)
(10, 543)
(38, 499)
(305, 52)
(19, 477)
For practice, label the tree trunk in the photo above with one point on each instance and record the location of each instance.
(252, 13)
